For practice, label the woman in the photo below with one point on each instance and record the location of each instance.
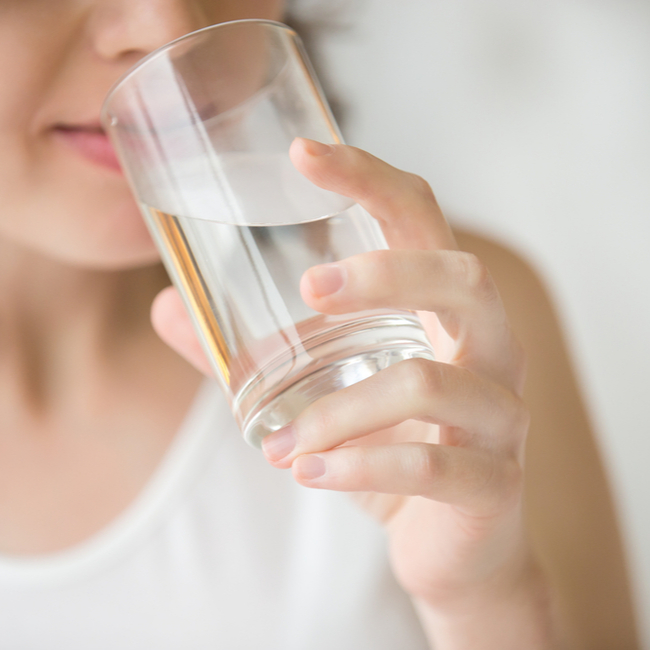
(132, 516)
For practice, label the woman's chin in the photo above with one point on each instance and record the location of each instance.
(114, 255)
(118, 260)
(116, 240)
(105, 251)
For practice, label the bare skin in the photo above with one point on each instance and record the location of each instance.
(57, 474)
(560, 429)
(572, 519)
(81, 422)
(90, 398)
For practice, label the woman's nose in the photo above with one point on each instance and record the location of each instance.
(122, 29)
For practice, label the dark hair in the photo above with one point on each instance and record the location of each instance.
(315, 21)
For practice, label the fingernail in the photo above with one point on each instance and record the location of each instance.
(279, 444)
(309, 467)
(326, 279)
(315, 148)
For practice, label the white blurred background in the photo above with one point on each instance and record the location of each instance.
(531, 120)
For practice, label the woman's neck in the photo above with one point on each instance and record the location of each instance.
(61, 325)
(90, 398)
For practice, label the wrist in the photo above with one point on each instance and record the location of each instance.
(512, 610)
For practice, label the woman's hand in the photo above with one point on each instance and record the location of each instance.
(432, 448)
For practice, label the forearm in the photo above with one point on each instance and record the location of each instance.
(517, 618)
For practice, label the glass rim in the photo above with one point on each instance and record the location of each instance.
(172, 44)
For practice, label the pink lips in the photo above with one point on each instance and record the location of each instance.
(91, 142)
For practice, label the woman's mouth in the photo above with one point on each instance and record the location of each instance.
(91, 142)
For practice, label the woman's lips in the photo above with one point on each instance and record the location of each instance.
(91, 142)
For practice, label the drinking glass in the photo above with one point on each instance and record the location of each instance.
(202, 127)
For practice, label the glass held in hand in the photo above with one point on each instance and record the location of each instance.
(202, 127)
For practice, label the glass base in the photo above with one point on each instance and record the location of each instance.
(337, 358)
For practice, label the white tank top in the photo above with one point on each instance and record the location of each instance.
(219, 551)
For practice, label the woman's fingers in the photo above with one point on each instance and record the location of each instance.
(454, 285)
(403, 203)
(475, 398)
(476, 479)
(411, 219)
(442, 281)
(172, 323)
(491, 416)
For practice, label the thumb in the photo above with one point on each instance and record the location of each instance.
(172, 323)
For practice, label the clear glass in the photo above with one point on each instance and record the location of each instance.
(202, 127)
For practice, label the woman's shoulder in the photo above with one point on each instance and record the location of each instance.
(569, 502)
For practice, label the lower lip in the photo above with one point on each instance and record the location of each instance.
(92, 145)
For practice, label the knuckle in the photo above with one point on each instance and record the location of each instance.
(365, 180)
(504, 486)
(511, 483)
(426, 466)
(378, 266)
(477, 277)
(314, 423)
(355, 467)
(373, 275)
(422, 377)
(421, 186)
(519, 419)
